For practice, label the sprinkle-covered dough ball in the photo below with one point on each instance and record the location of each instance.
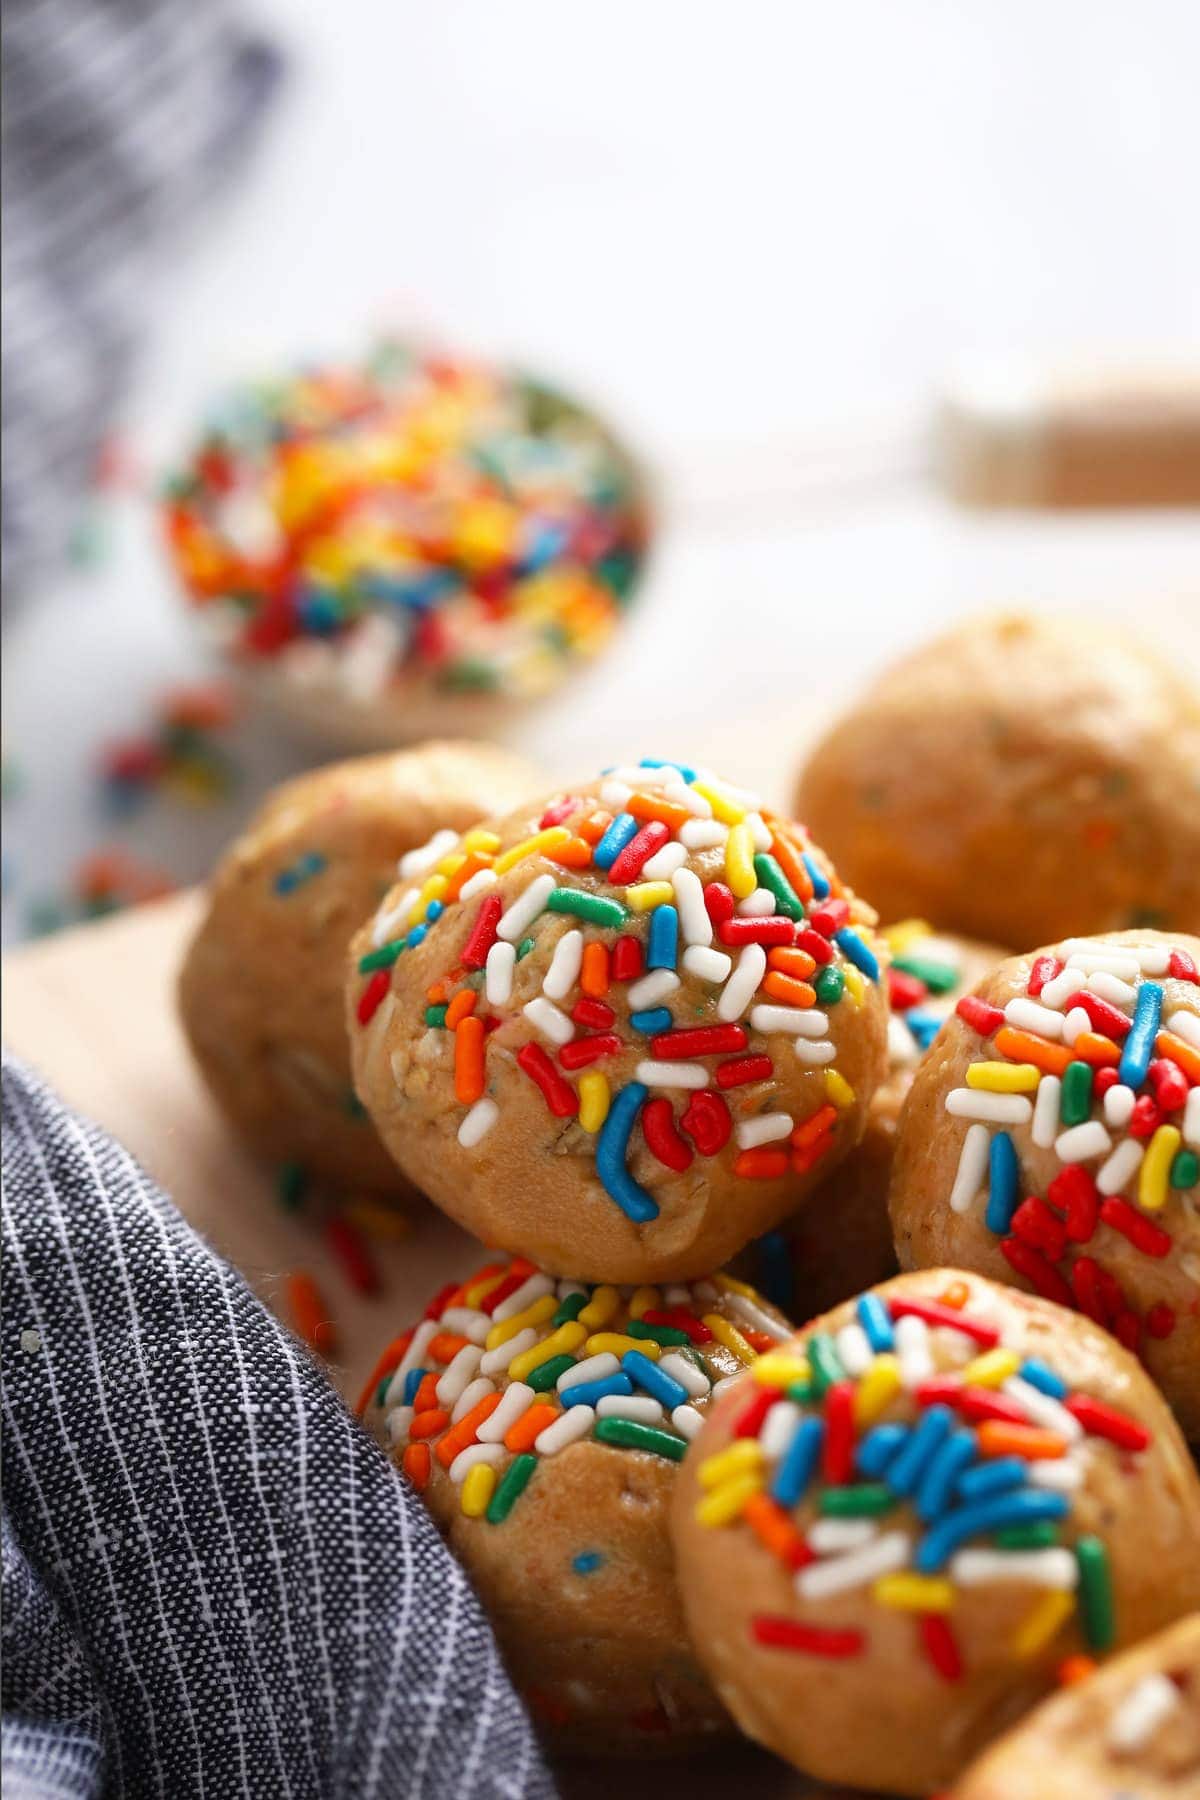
(260, 992)
(637, 1036)
(1130, 1731)
(1052, 1138)
(1018, 779)
(893, 1531)
(544, 1421)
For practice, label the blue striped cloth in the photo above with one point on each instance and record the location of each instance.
(214, 1581)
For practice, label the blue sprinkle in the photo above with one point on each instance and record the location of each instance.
(652, 1022)
(588, 1561)
(855, 950)
(611, 1147)
(664, 762)
(876, 1450)
(302, 870)
(775, 1276)
(996, 1477)
(623, 827)
(798, 1463)
(412, 1382)
(664, 938)
(876, 1321)
(1139, 1045)
(937, 1483)
(434, 910)
(1039, 1376)
(1024, 1507)
(586, 1393)
(649, 1376)
(1004, 1184)
(816, 875)
(923, 1025)
(920, 1450)
(416, 936)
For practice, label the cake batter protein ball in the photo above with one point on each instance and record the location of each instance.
(1019, 779)
(1052, 1136)
(260, 991)
(409, 546)
(647, 1025)
(544, 1421)
(1131, 1731)
(894, 1529)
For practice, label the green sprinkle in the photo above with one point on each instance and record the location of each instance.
(547, 1373)
(828, 985)
(1185, 1170)
(435, 1016)
(938, 977)
(512, 1485)
(592, 907)
(772, 877)
(801, 1392)
(523, 948)
(570, 1310)
(863, 1501)
(383, 958)
(1038, 1536)
(293, 1179)
(354, 1106)
(824, 1362)
(659, 1334)
(1075, 1101)
(630, 1436)
(1095, 1593)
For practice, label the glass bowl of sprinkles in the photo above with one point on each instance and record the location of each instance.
(415, 543)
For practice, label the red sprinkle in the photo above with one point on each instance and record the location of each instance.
(979, 1403)
(718, 902)
(1127, 1328)
(627, 959)
(819, 948)
(1105, 1018)
(979, 1015)
(707, 1122)
(680, 1320)
(557, 811)
(941, 1645)
(742, 1069)
(1145, 1118)
(559, 1095)
(774, 929)
(441, 1299)
(371, 998)
(638, 851)
(829, 917)
(658, 1129)
(1105, 1421)
(749, 1421)
(1034, 1221)
(483, 933)
(1044, 969)
(1088, 1294)
(1160, 1320)
(593, 1013)
(1040, 1274)
(814, 1640)
(1142, 1232)
(348, 1246)
(1074, 1192)
(582, 1051)
(904, 990)
(1102, 1080)
(1183, 967)
(837, 1450)
(698, 1040)
(1169, 1082)
(934, 1313)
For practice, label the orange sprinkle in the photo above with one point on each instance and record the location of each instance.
(773, 1528)
(648, 806)
(460, 1008)
(436, 994)
(810, 1156)
(468, 1061)
(389, 1361)
(811, 1129)
(761, 1164)
(593, 973)
(416, 1463)
(467, 1430)
(595, 826)
(478, 859)
(791, 992)
(956, 1295)
(1168, 1043)
(790, 861)
(791, 962)
(529, 1427)
(1025, 1046)
(1073, 1669)
(426, 1394)
(998, 1438)
(758, 1340)
(1100, 1052)
(429, 1424)
(310, 1315)
(446, 1345)
(576, 853)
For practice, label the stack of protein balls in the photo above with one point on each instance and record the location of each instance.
(643, 1041)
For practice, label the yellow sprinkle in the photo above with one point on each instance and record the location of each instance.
(479, 1290)
(914, 1593)
(838, 1090)
(1156, 1166)
(649, 893)
(593, 1100)
(477, 1490)
(744, 1456)
(729, 1284)
(535, 1314)
(728, 1503)
(550, 839)
(726, 810)
(877, 1387)
(992, 1368)
(562, 1342)
(378, 1220)
(646, 1299)
(479, 839)
(454, 859)
(908, 932)
(731, 1337)
(855, 986)
(777, 1369)
(601, 1309)
(616, 1344)
(1041, 1622)
(433, 889)
(1003, 1078)
(739, 861)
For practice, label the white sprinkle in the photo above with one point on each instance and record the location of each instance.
(744, 1308)
(515, 1402)
(460, 1370)
(796, 1021)
(679, 794)
(388, 923)
(694, 921)
(426, 1331)
(1082, 1142)
(496, 1361)
(705, 1290)
(498, 981)
(703, 834)
(472, 1456)
(1125, 964)
(709, 965)
(616, 793)
(1061, 1474)
(467, 1321)
(638, 1407)
(671, 1074)
(592, 1368)
(765, 1129)
(996, 1109)
(903, 1049)
(683, 1370)
(1045, 1111)
(398, 1422)
(647, 779)
(1051, 1568)
(572, 1425)
(1119, 1103)
(547, 1018)
(1121, 1166)
(742, 985)
(652, 989)
(480, 881)
(687, 1421)
(826, 1536)
(759, 831)
(759, 904)
(1059, 988)
(726, 1382)
(1075, 1024)
(1139, 1715)
(536, 1287)
(912, 1349)
(881, 1557)
(1191, 1119)
(566, 1289)
(472, 1394)
(815, 1055)
(854, 1350)
(415, 863)
(664, 863)
(1043, 1409)
(778, 1428)
(678, 1294)
(529, 904)
(478, 1122)
(1185, 1025)
(563, 972)
(1117, 993)
(972, 1168)
(1027, 1015)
